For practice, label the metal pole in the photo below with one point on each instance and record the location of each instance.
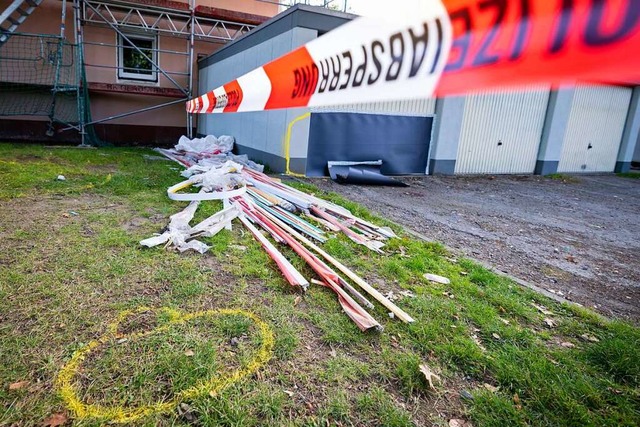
(141, 110)
(54, 91)
(117, 30)
(190, 65)
(77, 11)
(171, 52)
(64, 18)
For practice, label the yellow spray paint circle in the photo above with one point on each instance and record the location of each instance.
(120, 414)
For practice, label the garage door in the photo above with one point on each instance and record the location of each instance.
(414, 107)
(501, 132)
(594, 129)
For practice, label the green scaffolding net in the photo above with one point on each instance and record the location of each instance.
(41, 75)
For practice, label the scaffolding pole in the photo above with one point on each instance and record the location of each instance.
(192, 6)
(56, 88)
(82, 101)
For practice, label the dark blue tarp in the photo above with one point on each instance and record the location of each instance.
(401, 142)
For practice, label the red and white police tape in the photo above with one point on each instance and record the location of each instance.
(451, 47)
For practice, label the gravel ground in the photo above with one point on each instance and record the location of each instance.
(578, 238)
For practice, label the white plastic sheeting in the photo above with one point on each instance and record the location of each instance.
(224, 177)
(207, 145)
(182, 236)
(218, 160)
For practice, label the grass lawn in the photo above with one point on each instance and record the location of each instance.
(70, 264)
(633, 174)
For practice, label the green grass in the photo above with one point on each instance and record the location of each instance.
(563, 177)
(65, 277)
(183, 356)
(634, 175)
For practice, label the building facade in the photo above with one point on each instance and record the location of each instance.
(121, 57)
(538, 129)
(119, 71)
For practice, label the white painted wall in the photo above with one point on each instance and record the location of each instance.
(264, 130)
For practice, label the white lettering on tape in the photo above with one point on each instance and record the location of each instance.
(398, 62)
(364, 60)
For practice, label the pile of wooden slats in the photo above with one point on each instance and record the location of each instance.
(294, 218)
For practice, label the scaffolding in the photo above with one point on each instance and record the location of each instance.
(46, 75)
(180, 20)
(38, 78)
(48, 69)
(340, 5)
(38, 72)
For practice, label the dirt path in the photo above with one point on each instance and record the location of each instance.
(577, 239)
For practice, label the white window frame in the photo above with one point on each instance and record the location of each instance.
(122, 74)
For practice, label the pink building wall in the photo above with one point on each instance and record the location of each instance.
(46, 19)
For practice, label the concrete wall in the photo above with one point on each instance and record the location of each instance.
(446, 135)
(259, 134)
(629, 147)
(553, 132)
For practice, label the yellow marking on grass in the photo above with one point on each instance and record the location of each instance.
(120, 414)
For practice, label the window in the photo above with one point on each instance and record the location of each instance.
(132, 64)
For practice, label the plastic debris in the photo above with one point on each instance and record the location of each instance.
(61, 178)
(182, 236)
(429, 375)
(542, 309)
(207, 145)
(437, 279)
(361, 173)
(268, 208)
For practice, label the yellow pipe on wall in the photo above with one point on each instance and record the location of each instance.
(287, 144)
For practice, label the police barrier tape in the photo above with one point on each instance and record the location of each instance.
(457, 47)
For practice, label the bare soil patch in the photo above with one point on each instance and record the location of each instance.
(577, 238)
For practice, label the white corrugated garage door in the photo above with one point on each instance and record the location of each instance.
(414, 107)
(594, 129)
(501, 132)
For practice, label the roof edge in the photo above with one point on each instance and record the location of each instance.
(300, 15)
